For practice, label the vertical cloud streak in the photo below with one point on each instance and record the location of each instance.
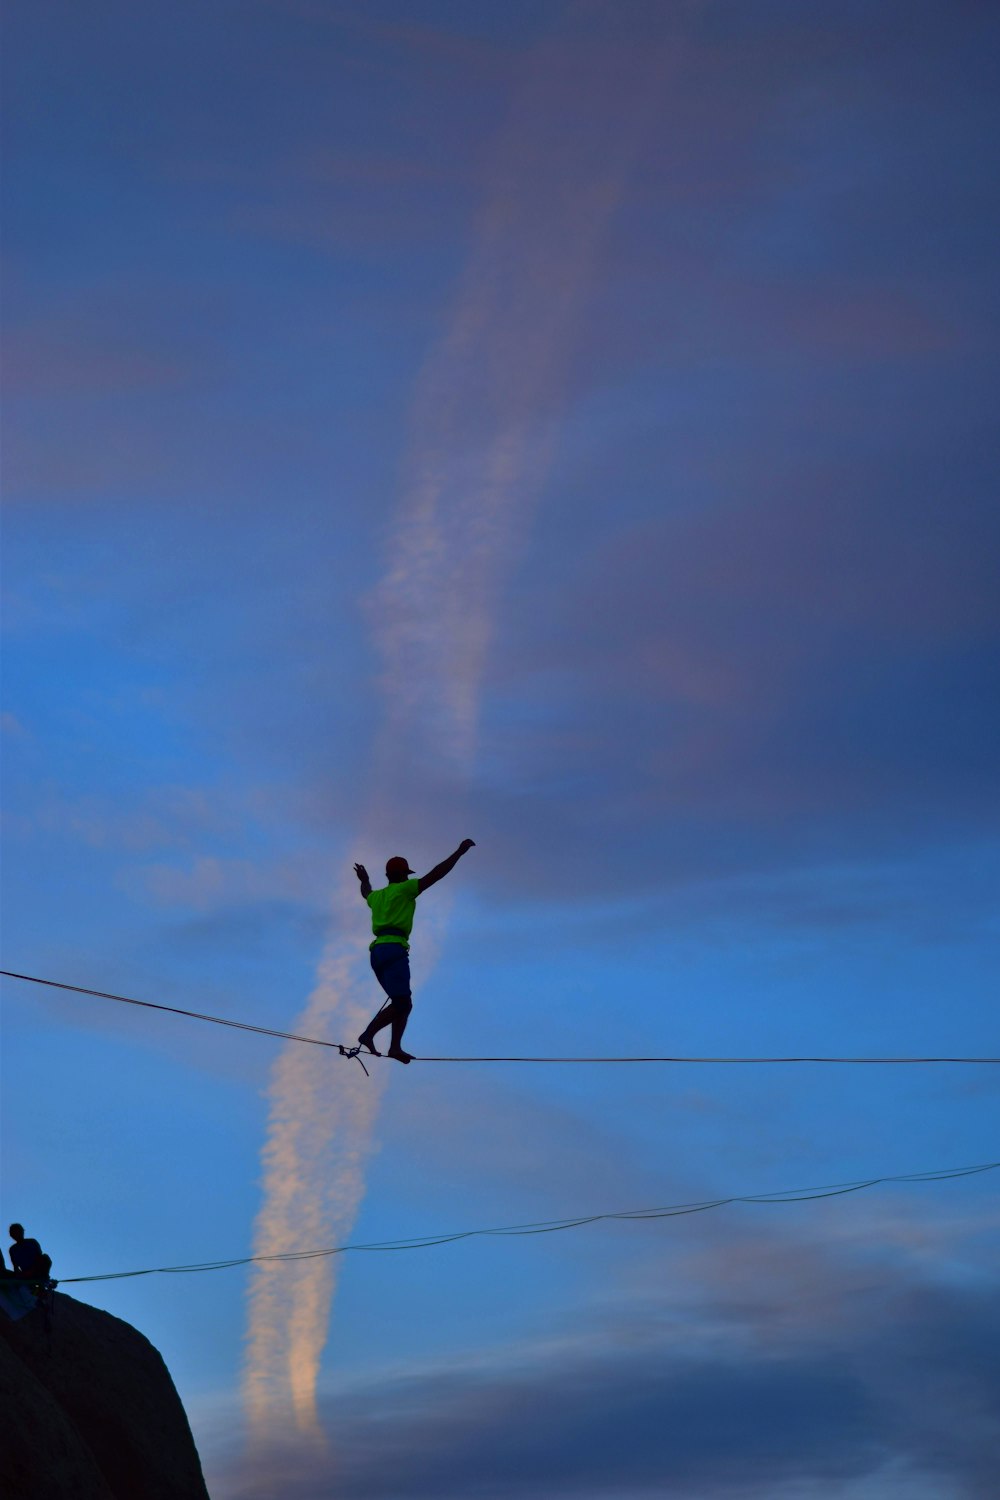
(319, 1130)
(484, 417)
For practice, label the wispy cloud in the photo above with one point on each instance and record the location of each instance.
(776, 1361)
(11, 724)
(313, 1182)
(483, 421)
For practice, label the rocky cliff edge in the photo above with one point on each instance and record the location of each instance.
(88, 1411)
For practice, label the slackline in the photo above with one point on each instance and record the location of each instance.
(352, 1051)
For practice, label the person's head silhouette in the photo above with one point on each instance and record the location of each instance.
(396, 869)
(17, 1232)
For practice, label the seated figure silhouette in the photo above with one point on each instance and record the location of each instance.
(392, 910)
(28, 1259)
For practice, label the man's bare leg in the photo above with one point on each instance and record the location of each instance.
(401, 1008)
(375, 1025)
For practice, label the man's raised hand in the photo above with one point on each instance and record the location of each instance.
(466, 845)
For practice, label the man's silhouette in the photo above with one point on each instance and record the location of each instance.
(26, 1256)
(392, 910)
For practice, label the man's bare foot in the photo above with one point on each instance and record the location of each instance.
(368, 1043)
(400, 1055)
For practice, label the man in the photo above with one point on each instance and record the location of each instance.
(392, 911)
(26, 1257)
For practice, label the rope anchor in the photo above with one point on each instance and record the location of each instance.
(354, 1052)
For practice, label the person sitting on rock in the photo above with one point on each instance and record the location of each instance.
(27, 1258)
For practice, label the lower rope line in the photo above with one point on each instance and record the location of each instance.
(553, 1226)
(353, 1052)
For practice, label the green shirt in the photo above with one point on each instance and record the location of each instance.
(393, 906)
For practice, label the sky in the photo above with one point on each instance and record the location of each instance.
(569, 426)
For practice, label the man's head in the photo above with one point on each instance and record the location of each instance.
(17, 1232)
(396, 869)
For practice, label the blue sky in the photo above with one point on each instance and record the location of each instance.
(570, 426)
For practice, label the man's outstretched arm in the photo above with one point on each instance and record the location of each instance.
(446, 865)
(366, 885)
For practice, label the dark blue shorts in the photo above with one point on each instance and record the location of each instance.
(391, 965)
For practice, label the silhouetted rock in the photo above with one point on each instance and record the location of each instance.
(88, 1412)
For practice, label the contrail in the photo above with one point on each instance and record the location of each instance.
(318, 1134)
(484, 416)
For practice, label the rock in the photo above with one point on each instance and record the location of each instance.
(88, 1412)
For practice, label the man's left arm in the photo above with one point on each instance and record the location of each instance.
(366, 885)
(440, 871)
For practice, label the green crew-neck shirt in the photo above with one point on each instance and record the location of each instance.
(393, 906)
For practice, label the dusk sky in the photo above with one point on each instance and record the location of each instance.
(571, 426)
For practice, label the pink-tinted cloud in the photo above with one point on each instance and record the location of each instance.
(213, 883)
(165, 817)
(763, 656)
(57, 359)
(451, 47)
(775, 1360)
(480, 449)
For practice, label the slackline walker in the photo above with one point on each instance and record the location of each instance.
(392, 910)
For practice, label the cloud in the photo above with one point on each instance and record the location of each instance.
(453, 48)
(75, 355)
(159, 818)
(313, 1184)
(11, 725)
(736, 684)
(211, 883)
(793, 1364)
(480, 449)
